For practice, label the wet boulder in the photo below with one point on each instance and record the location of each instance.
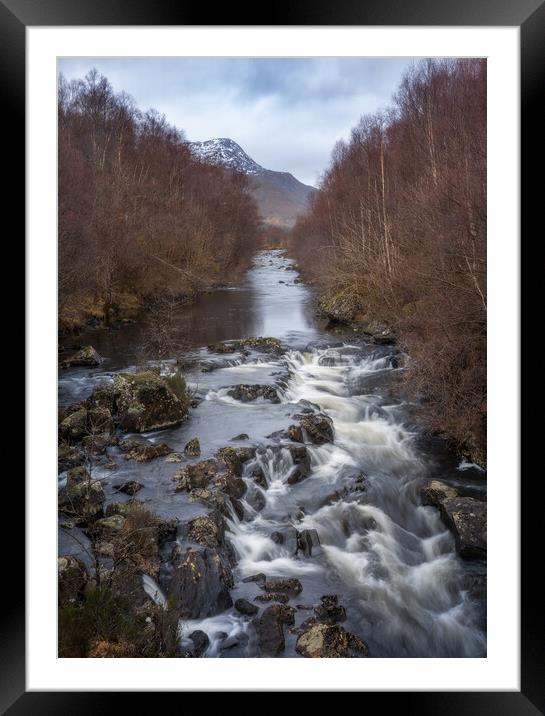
(319, 641)
(220, 347)
(466, 518)
(218, 501)
(201, 642)
(131, 487)
(298, 474)
(289, 539)
(146, 401)
(281, 597)
(258, 578)
(206, 530)
(318, 428)
(85, 356)
(308, 542)
(72, 579)
(243, 606)
(436, 492)
(295, 433)
(143, 450)
(197, 475)
(256, 498)
(315, 428)
(240, 436)
(265, 344)
(199, 584)
(234, 458)
(299, 455)
(248, 393)
(289, 586)
(329, 611)
(231, 485)
(236, 640)
(259, 478)
(192, 448)
(269, 628)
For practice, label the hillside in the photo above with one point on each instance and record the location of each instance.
(280, 196)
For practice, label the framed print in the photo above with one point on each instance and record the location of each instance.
(272, 275)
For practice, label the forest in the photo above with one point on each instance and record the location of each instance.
(396, 236)
(138, 215)
(263, 473)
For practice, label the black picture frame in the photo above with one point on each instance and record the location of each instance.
(529, 15)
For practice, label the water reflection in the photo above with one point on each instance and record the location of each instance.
(268, 302)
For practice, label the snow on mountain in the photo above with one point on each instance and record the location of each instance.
(227, 153)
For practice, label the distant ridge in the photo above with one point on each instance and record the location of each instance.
(279, 195)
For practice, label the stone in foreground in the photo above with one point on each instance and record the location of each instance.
(321, 641)
(146, 402)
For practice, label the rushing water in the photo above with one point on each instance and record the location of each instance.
(390, 559)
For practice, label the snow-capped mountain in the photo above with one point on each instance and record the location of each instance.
(279, 195)
(226, 153)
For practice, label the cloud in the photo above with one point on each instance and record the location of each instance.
(287, 114)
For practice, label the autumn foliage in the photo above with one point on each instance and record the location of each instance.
(399, 224)
(138, 214)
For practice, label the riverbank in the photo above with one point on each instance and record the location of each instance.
(280, 504)
(87, 312)
(344, 313)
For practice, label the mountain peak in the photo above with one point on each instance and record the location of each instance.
(226, 153)
(279, 195)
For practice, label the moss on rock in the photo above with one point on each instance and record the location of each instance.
(145, 402)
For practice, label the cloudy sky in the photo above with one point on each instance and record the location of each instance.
(285, 113)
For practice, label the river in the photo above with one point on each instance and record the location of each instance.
(390, 560)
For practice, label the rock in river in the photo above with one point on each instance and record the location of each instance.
(86, 356)
(143, 450)
(193, 448)
(269, 628)
(248, 393)
(464, 516)
(145, 401)
(196, 476)
(201, 642)
(199, 584)
(316, 428)
(320, 641)
(207, 530)
(290, 586)
(131, 487)
(329, 611)
(245, 607)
